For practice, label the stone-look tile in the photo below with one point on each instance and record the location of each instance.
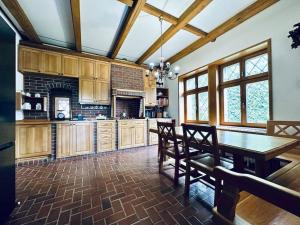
(119, 188)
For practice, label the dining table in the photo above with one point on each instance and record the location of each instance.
(261, 148)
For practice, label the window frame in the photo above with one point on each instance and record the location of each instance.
(195, 91)
(242, 82)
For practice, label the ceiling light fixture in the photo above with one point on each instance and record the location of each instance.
(163, 70)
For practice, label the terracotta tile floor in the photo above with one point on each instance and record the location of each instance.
(122, 188)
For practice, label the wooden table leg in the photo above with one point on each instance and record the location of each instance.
(261, 168)
(238, 163)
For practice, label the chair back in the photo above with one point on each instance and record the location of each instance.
(288, 129)
(233, 183)
(203, 138)
(167, 134)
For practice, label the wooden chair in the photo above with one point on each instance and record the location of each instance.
(288, 129)
(171, 147)
(225, 211)
(204, 139)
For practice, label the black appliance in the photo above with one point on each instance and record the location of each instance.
(7, 120)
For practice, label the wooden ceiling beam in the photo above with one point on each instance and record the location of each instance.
(188, 15)
(172, 19)
(167, 17)
(236, 20)
(18, 13)
(75, 9)
(128, 23)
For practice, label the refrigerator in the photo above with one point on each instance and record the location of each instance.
(7, 120)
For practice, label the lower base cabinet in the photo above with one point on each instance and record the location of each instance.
(106, 136)
(74, 139)
(132, 133)
(33, 140)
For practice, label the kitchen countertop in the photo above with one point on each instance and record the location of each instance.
(40, 122)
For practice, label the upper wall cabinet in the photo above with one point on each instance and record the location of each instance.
(30, 60)
(87, 68)
(70, 66)
(51, 63)
(103, 71)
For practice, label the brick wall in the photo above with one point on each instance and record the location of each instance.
(37, 83)
(127, 78)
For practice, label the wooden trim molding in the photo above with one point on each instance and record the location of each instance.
(18, 13)
(192, 11)
(75, 9)
(239, 18)
(167, 17)
(127, 25)
(75, 53)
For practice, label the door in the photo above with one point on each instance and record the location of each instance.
(70, 66)
(32, 141)
(30, 60)
(102, 92)
(103, 71)
(63, 140)
(7, 120)
(83, 138)
(139, 134)
(126, 139)
(87, 68)
(51, 63)
(86, 90)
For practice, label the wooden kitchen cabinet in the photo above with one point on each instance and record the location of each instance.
(51, 63)
(132, 133)
(102, 92)
(30, 60)
(102, 71)
(86, 90)
(33, 140)
(153, 138)
(94, 91)
(83, 138)
(106, 135)
(70, 66)
(74, 139)
(63, 140)
(87, 68)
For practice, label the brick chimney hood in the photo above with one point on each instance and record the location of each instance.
(127, 78)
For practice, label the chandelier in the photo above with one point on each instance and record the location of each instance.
(163, 70)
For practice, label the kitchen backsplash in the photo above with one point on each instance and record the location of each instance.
(36, 83)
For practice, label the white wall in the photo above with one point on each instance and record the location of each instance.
(274, 23)
(19, 76)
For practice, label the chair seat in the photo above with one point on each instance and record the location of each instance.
(205, 163)
(170, 151)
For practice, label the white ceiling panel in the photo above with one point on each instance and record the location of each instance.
(174, 45)
(217, 12)
(173, 7)
(51, 19)
(100, 21)
(144, 32)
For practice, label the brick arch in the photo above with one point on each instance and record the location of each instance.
(58, 85)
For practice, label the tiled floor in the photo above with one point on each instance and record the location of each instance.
(116, 188)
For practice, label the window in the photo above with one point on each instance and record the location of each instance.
(244, 91)
(196, 98)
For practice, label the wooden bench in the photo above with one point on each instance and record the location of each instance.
(274, 202)
(288, 129)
